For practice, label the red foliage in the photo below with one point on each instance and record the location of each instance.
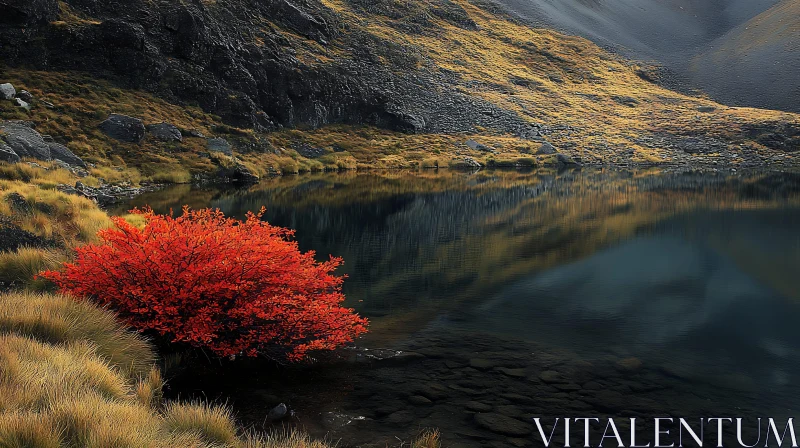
(234, 287)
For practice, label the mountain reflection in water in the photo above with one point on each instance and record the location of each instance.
(533, 293)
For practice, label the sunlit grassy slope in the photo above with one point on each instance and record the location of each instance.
(589, 103)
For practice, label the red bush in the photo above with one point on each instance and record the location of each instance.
(234, 287)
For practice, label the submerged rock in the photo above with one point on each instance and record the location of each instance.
(123, 128)
(279, 412)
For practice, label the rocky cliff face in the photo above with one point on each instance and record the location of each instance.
(255, 63)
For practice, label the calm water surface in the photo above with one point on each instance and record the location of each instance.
(515, 295)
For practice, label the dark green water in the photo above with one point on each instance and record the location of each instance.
(540, 294)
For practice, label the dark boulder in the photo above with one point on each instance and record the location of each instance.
(123, 128)
(165, 132)
(546, 149)
(300, 20)
(62, 153)
(26, 96)
(238, 174)
(25, 141)
(278, 413)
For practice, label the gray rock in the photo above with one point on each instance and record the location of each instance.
(165, 132)
(193, 133)
(123, 128)
(477, 146)
(706, 109)
(564, 159)
(7, 91)
(7, 154)
(62, 153)
(309, 152)
(22, 104)
(465, 163)
(279, 412)
(219, 145)
(500, 424)
(61, 164)
(546, 149)
(26, 96)
(25, 141)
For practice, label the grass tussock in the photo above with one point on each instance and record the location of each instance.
(60, 320)
(21, 266)
(71, 376)
(67, 219)
(213, 424)
(428, 439)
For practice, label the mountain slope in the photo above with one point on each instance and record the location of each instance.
(765, 51)
(714, 35)
(422, 76)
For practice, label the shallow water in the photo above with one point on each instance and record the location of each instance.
(513, 295)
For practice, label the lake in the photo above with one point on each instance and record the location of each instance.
(500, 296)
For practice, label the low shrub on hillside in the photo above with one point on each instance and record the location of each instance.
(233, 287)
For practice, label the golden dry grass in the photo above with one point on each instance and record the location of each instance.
(21, 266)
(67, 219)
(71, 376)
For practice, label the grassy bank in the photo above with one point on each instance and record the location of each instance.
(70, 374)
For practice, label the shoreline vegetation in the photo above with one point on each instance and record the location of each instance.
(70, 373)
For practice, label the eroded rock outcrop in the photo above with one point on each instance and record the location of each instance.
(223, 57)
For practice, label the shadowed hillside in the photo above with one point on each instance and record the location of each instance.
(742, 52)
(765, 51)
